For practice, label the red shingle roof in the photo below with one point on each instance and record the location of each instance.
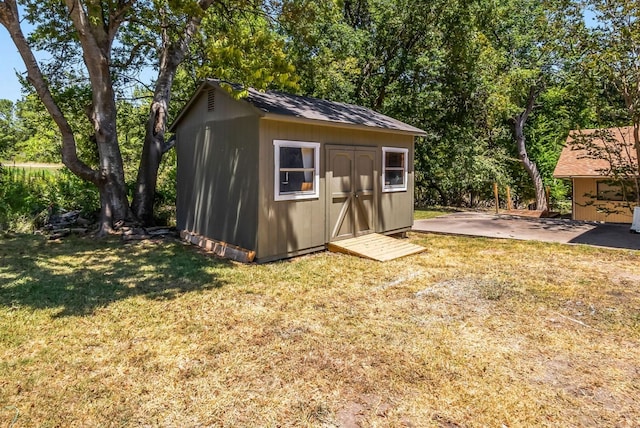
(578, 160)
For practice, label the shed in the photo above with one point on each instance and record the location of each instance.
(587, 159)
(279, 175)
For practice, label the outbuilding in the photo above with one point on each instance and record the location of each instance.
(276, 175)
(591, 159)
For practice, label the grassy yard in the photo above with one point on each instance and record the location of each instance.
(427, 213)
(473, 332)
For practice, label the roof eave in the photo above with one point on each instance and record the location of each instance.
(296, 119)
(579, 176)
(187, 106)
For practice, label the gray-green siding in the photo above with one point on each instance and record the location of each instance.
(292, 226)
(225, 183)
(217, 179)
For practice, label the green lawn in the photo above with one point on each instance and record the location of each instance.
(426, 213)
(473, 332)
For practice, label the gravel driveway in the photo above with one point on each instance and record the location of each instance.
(610, 235)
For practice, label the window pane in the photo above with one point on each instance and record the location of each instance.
(394, 159)
(297, 181)
(394, 178)
(307, 157)
(292, 182)
(291, 157)
(609, 192)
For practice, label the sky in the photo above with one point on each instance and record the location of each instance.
(10, 61)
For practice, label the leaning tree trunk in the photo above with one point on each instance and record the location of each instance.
(152, 151)
(155, 146)
(529, 166)
(96, 43)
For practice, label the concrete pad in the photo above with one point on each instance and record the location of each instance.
(610, 235)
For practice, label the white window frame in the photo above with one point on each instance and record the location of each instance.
(395, 188)
(299, 195)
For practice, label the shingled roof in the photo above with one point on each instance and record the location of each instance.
(282, 104)
(576, 161)
(274, 104)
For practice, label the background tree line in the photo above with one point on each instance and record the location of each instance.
(497, 85)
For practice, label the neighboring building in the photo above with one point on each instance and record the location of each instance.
(587, 159)
(282, 175)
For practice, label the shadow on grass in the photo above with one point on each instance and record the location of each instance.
(79, 275)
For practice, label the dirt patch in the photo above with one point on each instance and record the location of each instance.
(466, 288)
(629, 280)
(583, 383)
(459, 298)
(363, 412)
(444, 422)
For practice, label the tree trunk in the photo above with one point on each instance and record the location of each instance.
(530, 166)
(155, 146)
(153, 149)
(444, 200)
(114, 205)
(96, 33)
(96, 29)
(532, 170)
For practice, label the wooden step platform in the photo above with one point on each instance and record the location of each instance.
(375, 246)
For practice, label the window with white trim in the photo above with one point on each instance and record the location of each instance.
(297, 170)
(394, 169)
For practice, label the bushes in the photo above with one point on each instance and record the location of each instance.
(28, 197)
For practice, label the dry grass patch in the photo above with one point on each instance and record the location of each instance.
(474, 332)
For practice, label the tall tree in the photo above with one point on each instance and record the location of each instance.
(103, 44)
(324, 49)
(527, 40)
(96, 26)
(177, 26)
(415, 60)
(615, 59)
(463, 157)
(234, 40)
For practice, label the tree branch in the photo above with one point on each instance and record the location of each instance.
(168, 145)
(134, 52)
(534, 91)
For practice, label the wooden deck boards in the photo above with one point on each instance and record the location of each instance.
(375, 246)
